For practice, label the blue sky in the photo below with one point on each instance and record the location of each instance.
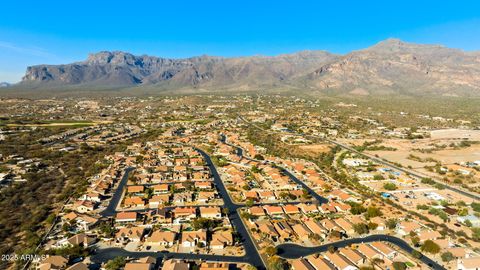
(53, 32)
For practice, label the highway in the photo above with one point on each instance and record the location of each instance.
(376, 159)
(404, 170)
(292, 251)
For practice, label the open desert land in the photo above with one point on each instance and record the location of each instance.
(315, 149)
(418, 154)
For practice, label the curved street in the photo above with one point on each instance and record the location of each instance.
(294, 251)
(252, 255)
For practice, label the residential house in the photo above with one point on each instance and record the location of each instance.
(319, 263)
(78, 266)
(273, 210)
(352, 255)
(221, 239)
(82, 239)
(256, 211)
(126, 217)
(210, 212)
(133, 234)
(214, 266)
(161, 189)
(301, 231)
(472, 263)
(369, 252)
(301, 264)
(205, 196)
(193, 238)
(339, 261)
(308, 208)
(136, 190)
(53, 263)
(384, 249)
(158, 200)
(84, 206)
(174, 264)
(161, 238)
(134, 202)
(184, 213)
(203, 185)
(291, 209)
(267, 195)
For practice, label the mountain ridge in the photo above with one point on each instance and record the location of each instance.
(390, 66)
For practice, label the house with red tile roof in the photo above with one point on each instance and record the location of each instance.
(210, 212)
(273, 210)
(134, 202)
(192, 238)
(126, 217)
(136, 189)
(291, 209)
(301, 231)
(161, 189)
(256, 211)
(221, 239)
(352, 255)
(384, 249)
(161, 238)
(308, 208)
(339, 261)
(134, 234)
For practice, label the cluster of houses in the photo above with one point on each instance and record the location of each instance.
(353, 258)
(170, 175)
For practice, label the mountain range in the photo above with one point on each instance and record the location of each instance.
(389, 67)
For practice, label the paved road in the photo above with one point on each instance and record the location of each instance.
(407, 171)
(315, 195)
(319, 198)
(110, 253)
(293, 251)
(117, 196)
(252, 256)
(379, 160)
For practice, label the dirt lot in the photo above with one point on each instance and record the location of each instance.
(473, 135)
(315, 149)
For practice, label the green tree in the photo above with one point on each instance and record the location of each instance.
(476, 234)
(399, 266)
(271, 251)
(115, 264)
(373, 211)
(357, 209)
(416, 254)
(360, 228)
(391, 223)
(277, 263)
(372, 225)
(447, 256)
(430, 247)
(258, 157)
(389, 186)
